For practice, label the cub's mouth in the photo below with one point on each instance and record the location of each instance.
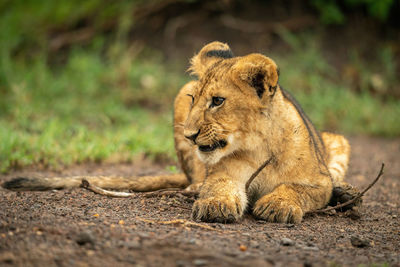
(210, 148)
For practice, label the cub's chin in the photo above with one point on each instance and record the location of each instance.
(212, 154)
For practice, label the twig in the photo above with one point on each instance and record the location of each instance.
(85, 184)
(353, 199)
(182, 222)
(162, 192)
(254, 175)
(171, 193)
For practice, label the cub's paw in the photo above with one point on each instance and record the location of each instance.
(217, 209)
(343, 193)
(274, 208)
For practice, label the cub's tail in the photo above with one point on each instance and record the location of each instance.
(138, 184)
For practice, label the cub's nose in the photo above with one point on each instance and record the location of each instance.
(191, 135)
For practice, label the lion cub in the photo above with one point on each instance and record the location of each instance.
(234, 118)
(227, 123)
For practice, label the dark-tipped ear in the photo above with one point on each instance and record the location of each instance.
(258, 71)
(207, 56)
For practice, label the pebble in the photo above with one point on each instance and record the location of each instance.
(287, 242)
(358, 242)
(143, 235)
(85, 238)
(133, 245)
(200, 262)
(243, 248)
(311, 248)
(180, 263)
(353, 214)
(7, 257)
(254, 244)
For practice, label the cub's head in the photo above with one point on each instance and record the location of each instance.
(228, 100)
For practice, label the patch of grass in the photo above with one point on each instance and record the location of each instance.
(327, 96)
(87, 110)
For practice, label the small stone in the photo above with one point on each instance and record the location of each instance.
(133, 245)
(7, 257)
(85, 238)
(192, 241)
(143, 235)
(131, 259)
(358, 242)
(311, 248)
(200, 262)
(180, 263)
(254, 244)
(287, 242)
(353, 213)
(90, 253)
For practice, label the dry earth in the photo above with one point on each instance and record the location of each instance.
(79, 228)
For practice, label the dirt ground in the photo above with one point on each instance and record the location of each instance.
(79, 228)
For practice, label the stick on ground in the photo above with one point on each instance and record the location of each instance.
(162, 192)
(353, 199)
(182, 222)
(85, 184)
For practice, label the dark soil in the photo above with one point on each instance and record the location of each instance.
(79, 228)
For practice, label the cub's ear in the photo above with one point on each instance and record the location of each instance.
(207, 56)
(258, 71)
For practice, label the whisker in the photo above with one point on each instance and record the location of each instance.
(221, 130)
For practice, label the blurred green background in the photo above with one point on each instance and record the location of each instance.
(94, 81)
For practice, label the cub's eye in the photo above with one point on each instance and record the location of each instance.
(191, 97)
(217, 101)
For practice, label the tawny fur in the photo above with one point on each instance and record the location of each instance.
(256, 120)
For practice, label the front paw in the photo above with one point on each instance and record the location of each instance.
(274, 208)
(217, 209)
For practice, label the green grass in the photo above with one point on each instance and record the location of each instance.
(328, 98)
(333, 106)
(108, 101)
(87, 110)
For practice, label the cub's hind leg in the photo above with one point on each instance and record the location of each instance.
(338, 150)
(189, 162)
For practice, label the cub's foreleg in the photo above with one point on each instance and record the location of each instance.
(288, 203)
(222, 199)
